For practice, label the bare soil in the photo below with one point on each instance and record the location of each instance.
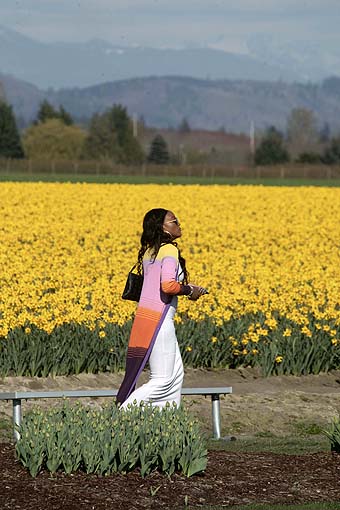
(280, 406)
(230, 478)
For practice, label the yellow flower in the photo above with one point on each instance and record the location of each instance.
(335, 341)
(278, 359)
(271, 322)
(213, 339)
(189, 348)
(102, 334)
(244, 351)
(287, 332)
(332, 332)
(27, 330)
(254, 351)
(306, 331)
(70, 267)
(111, 349)
(254, 337)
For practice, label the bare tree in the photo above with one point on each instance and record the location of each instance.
(302, 131)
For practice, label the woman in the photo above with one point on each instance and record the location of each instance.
(153, 336)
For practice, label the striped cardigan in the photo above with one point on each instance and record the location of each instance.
(160, 284)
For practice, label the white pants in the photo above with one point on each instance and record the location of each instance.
(166, 367)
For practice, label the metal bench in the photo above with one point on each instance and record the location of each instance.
(18, 396)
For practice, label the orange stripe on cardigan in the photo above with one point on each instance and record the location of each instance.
(171, 287)
(142, 331)
(147, 313)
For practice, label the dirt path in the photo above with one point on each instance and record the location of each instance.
(281, 406)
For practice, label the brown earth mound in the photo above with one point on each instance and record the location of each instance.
(230, 479)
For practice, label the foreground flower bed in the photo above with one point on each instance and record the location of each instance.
(108, 440)
(269, 257)
(231, 478)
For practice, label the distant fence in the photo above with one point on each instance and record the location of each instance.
(54, 167)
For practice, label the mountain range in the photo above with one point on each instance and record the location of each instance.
(65, 64)
(208, 86)
(207, 104)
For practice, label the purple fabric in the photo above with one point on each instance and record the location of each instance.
(148, 352)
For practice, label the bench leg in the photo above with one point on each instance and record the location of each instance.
(16, 417)
(215, 403)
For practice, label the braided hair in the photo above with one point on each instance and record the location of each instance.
(153, 237)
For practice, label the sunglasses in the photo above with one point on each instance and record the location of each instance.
(176, 220)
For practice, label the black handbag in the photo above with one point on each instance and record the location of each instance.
(133, 286)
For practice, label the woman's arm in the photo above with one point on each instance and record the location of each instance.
(169, 265)
(169, 283)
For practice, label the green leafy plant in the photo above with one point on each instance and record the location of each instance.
(333, 434)
(111, 440)
(74, 348)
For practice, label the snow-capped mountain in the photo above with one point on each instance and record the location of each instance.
(309, 59)
(83, 64)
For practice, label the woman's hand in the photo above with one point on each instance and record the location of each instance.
(197, 292)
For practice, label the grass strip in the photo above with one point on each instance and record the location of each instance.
(270, 506)
(280, 445)
(140, 179)
(6, 428)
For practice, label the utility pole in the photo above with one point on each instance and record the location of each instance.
(2, 93)
(252, 138)
(135, 125)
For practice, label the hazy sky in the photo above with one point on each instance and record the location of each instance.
(175, 23)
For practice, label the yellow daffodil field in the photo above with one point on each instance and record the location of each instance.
(270, 257)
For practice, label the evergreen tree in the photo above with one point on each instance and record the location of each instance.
(158, 154)
(184, 126)
(271, 150)
(65, 117)
(310, 158)
(10, 143)
(47, 112)
(100, 141)
(128, 150)
(121, 124)
(331, 155)
(111, 136)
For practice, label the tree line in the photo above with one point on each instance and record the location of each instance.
(53, 134)
(302, 143)
(110, 136)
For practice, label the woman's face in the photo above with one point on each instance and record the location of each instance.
(171, 225)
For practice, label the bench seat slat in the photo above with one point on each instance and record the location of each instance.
(18, 396)
(101, 393)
